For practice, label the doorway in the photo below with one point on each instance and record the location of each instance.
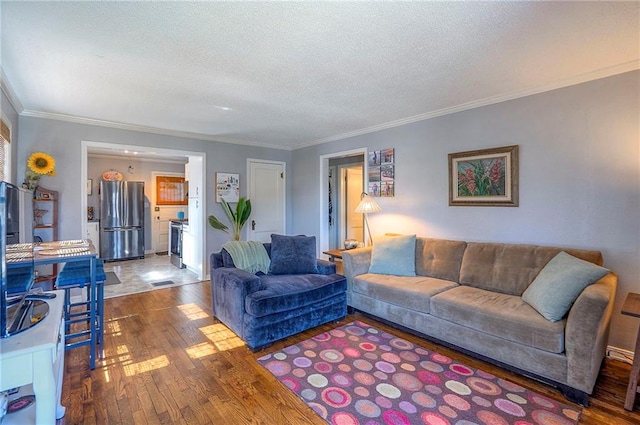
(126, 151)
(337, 219)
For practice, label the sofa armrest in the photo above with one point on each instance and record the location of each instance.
(215, 260)
(229, 288)
(356, 262)
(587, 332)
(326, 267)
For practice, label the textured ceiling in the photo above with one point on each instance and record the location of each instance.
(290, 75)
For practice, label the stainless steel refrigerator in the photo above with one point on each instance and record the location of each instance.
(121, 220)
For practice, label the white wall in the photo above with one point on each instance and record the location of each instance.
(579, 177)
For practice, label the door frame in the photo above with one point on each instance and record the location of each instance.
(84, 160)
(284, 192)
(323, 234)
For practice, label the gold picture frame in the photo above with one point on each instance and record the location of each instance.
(484, 178)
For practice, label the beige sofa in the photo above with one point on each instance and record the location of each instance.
(468, 296)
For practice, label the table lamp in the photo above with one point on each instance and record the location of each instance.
(367, 205)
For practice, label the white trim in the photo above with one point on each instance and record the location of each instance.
(323, 234)
(139, 158)
(620, 354)
(558, 84)
(5, 86)
(146, 129)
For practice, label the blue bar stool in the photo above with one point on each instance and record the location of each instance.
(77, 274)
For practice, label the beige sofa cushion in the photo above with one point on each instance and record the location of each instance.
(510, 268)
(412, 292)
(439, 258)
(500, 315)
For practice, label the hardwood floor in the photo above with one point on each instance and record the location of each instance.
(168, 362)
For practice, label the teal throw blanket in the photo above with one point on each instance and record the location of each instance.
(250, 256)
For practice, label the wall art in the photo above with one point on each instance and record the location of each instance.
(381, 173)
(227, 187)
(486, 177)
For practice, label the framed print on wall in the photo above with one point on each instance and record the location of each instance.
(486, 177)
(227, 187)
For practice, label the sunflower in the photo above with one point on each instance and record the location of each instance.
(41, 163)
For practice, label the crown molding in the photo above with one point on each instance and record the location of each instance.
(6, 88)
(558, 84)
(145, 129)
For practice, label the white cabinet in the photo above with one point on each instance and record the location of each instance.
(93, 233)
(36, 357)
(193, 235)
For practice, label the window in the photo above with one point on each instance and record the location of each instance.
(170, 191)
(5, 151)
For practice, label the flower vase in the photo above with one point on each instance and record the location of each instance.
(31, 181)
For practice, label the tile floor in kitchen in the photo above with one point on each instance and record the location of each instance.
(137, 275)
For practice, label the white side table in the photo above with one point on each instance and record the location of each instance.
(36, 356)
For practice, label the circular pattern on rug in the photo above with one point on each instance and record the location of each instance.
(278, 367)
(431, 418)
(388, 390)
(351, 352)
(406, 381)
(544, 417)
(355, 330)
(362, 364)
(323, 367)
(331, 356)
(356, 374)
(364, 378)
(302, 361)
(368, 408)
(385, 367)
(341, 379)
(344, 418)
(509, 407)
(401, 344)
(483, 386)
(317, 380)
(336, 397)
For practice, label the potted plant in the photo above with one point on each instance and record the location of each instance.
(238, 217)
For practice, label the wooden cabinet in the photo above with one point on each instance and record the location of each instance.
(45, 229)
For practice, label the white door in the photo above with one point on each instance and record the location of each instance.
(353, 227)
(267, 194)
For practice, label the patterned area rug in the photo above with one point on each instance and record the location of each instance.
(357, 374)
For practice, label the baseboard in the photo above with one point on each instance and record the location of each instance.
(619, 354)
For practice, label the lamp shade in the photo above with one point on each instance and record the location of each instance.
(367, 205)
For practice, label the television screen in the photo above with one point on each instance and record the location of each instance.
(16, 253)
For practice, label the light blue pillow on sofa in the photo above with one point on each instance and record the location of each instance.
(560, 283)
(395, 255)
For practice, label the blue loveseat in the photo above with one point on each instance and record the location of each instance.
(263, 308)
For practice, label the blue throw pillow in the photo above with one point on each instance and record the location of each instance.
(560, 283)
(394, 255)
(293, 255)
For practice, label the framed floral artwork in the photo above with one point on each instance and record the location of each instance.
(486, 177)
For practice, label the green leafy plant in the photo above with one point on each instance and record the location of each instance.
(238, 217)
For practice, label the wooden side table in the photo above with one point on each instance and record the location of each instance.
(631, 307)
(333, 254)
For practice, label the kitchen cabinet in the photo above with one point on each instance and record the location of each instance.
(93, 233)
(193, 234)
